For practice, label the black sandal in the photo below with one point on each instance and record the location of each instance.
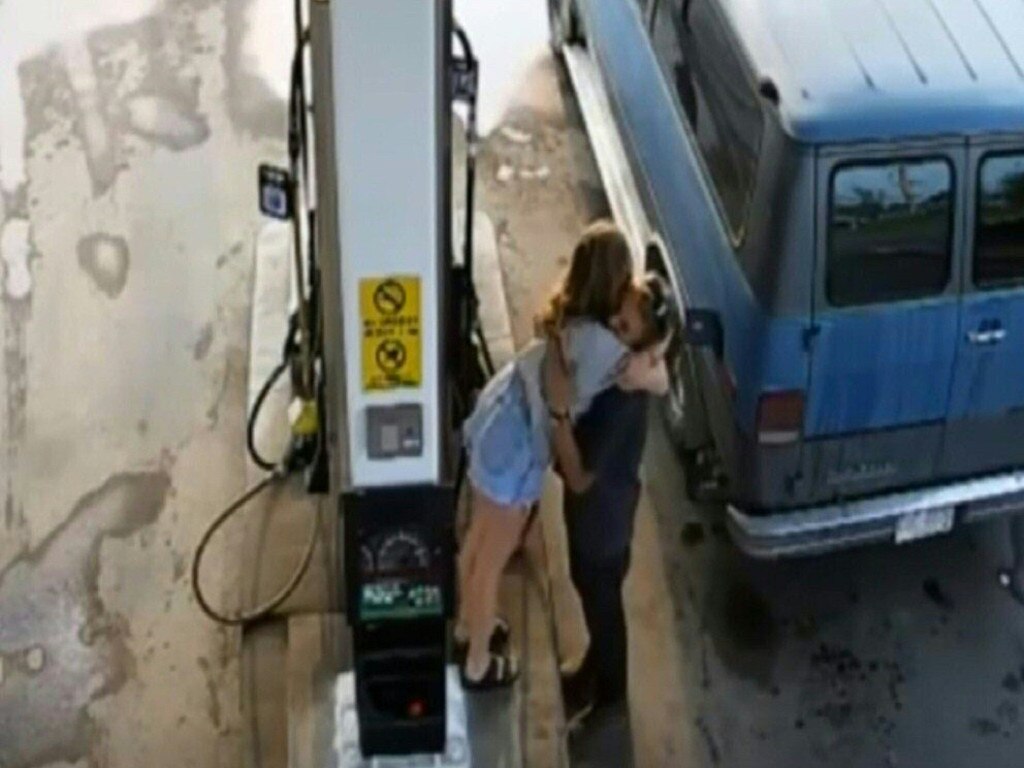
(502, 671)
(500, 636)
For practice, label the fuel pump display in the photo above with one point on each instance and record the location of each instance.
(399, 554)
(397, 580)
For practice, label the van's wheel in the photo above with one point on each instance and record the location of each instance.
(683, 413)
(680, 400)
(682, 407)
(686, 423)
(564, 25)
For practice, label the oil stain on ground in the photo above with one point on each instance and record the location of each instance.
(105, 259)
(744, 630)
(62, 648)
(934, 591)
(853, 695)
(202, 346)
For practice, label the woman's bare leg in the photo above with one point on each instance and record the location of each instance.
(467, 560)
(502, 529)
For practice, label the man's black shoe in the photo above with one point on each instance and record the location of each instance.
(604, 740)
(578, 696)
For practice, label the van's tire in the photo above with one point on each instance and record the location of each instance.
(565, 26)
(686, 424)
(682, 409)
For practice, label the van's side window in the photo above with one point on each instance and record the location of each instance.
(999, 239)
(890, 231)
(716, 95)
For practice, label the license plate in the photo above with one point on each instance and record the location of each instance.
(927, 522)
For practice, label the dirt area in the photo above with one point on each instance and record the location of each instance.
(540, 187)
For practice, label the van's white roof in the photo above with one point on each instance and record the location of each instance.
(849, 70)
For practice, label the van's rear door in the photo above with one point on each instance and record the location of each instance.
(885, 317)
(986, 427)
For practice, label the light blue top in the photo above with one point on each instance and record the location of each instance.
(594, 355)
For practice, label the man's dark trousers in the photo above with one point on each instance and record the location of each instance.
(599, 522)
(599, 585)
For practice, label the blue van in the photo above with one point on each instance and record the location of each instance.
(836, 192)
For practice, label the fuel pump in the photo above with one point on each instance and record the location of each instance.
(384, 348)
(399, 349)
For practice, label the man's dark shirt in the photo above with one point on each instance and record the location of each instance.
(611, 437)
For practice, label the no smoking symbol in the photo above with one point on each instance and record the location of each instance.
(391, 355)
(389, 297)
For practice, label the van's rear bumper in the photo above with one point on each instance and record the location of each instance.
(824, 528)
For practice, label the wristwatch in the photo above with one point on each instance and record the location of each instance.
(558, 416)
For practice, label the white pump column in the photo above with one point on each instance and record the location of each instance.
(390, 114)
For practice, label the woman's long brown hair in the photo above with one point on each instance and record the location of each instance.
(596, 283)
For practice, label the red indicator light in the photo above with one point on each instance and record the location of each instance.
(416, 708)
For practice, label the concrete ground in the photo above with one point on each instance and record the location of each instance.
(129, 139)
(128, 236)
(884, 656)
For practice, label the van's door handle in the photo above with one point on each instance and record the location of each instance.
(987, 337)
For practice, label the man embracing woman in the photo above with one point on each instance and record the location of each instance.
(575, 399)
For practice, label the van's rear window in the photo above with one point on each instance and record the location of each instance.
(999, 239)
(890, 231)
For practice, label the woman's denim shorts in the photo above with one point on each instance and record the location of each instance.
(503, 461)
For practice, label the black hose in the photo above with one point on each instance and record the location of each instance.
(463, 38)
(292, 461)
(250, 428)
(287, 351)
(278, 473)
(298, 93)
(285, 592)
(485, 352)
(471, 318)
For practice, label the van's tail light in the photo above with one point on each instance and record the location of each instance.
(780, 417)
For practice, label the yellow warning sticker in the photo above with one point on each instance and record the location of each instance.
(392, 344)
